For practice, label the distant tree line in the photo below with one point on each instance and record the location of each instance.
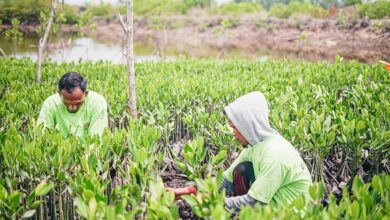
(30, 11)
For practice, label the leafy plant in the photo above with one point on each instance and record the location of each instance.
(286, 10)
(160, 202)
(13, 34)
(236, 8)
(11, 206)
(375, 10)
(208, 203)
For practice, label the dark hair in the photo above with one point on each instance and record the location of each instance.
(72, 80)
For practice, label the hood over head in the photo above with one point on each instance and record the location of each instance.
(249, 114)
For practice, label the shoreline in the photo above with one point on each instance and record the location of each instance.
(305, 38)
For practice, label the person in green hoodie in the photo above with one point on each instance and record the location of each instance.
(269, 170)
(74, 109)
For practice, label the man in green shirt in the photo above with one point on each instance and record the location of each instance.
(74, 109)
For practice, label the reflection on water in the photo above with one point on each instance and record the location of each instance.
(71, 48)
(84, 49)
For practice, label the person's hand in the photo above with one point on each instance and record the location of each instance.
(182, 191)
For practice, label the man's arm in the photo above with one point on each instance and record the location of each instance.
(99, 120)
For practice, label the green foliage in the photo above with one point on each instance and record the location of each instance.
(199, 3)
(352, 2)
(85, 20)
(68, 12)
(44, 18)
(236, 8)
(161, 202)
(23, 10)
(114, 177)
(104, 10)
(327, 3)
(10, 200)
(375, 10)
(341, 19)
(229, 23)
(30, 11)
(157, 24)
(13, 34)
(194, 154)
(285, 11)
(208, 203)
(160, 7)
(360, 205)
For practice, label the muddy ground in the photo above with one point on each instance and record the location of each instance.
(255, 35)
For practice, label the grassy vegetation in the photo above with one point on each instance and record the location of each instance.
(296, 7)
(28, 10)
(336, 115)
(375, 10)
(236, 8)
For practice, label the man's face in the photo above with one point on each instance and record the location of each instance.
(237, 134)
(74, 99)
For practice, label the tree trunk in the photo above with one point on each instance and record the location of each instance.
(43, 40)
(129, 53)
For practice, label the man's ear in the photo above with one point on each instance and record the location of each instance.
(86, 93)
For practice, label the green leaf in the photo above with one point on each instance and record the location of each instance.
(15, 198)
(386, 135)
(36, 204)
(43, 188)
(190, 200)
(181, 166)
(360, 125)
(331, 136)
(377, 184)
(187, 148)
(299, 203)
(29, 213)
(356, 185)
(367, 200)
(313, 192)
(219, 157)
(387, 182)
(355, 209)
(30, 198)
(3, 193)
(81, 208)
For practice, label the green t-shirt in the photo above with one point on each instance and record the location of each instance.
(281, 174)
(90, 119)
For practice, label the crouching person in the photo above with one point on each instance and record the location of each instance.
(269, 170)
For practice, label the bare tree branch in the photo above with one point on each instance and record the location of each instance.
(129, 54)
(122, 23)
(2, 53)
(43, 40)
